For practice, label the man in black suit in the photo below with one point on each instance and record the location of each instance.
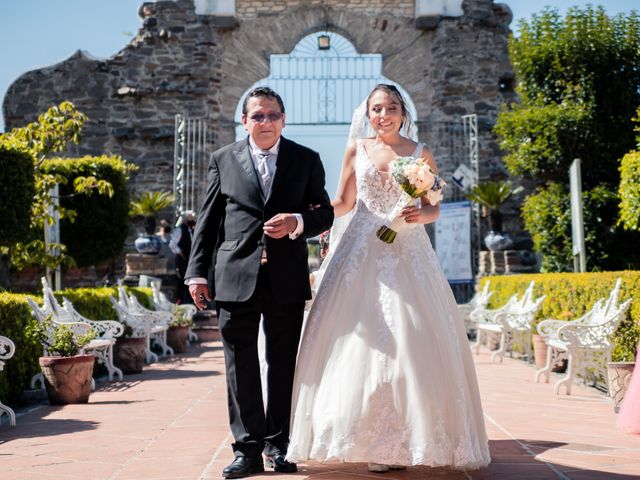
(265, 197)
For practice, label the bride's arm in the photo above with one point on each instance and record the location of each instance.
(427, 213)
(345, 198)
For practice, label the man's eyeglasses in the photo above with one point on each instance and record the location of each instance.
(261, 117)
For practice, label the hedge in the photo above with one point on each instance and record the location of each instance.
(570, 295)
(17, 323)
(16, 195)
(100, 229)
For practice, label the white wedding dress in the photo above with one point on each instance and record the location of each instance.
(384, 371)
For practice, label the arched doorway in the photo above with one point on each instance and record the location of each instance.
(321, 82)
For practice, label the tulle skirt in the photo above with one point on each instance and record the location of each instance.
(385, 372)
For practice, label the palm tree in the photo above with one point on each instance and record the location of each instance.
(491, 195)
(147, 205)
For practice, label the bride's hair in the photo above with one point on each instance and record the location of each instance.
(393, 92)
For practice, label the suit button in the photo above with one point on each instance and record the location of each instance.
(260, 244)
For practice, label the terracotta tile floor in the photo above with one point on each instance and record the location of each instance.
(170, 422)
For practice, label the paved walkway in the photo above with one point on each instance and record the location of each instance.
(170, 422)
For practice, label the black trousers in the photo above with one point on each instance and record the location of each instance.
(254, 429)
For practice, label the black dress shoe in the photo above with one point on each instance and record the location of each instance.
(243, 466)
(280, 464)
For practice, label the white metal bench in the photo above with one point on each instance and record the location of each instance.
(162, 303)
(141, 326)
(584, 342)
(7, 349)
(106, 330)
(516, 325)
(161, 320)
(549, 328)
(153, 325)
(512, 322)
(479, 300)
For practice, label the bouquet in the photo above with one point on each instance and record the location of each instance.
(415, 177)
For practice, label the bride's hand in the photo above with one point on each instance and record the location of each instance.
(410, 214)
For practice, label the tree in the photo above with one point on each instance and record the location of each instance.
(579, 85)
(50, 133)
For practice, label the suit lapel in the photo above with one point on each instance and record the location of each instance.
(244, 159)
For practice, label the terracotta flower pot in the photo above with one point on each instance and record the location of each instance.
(128, 354)
(539, 351)
(540, 355)
(177, 338)
(619, 376)
(67, 379)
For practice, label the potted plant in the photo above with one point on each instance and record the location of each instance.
(619, 377)
(178, 333)
(67, 374)
(491, 195)
(129, 351)
(147, 205)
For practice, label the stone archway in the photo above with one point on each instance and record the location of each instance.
(181, 62)
(321, 88)
(383, 32)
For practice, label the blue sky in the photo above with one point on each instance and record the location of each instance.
(35, 33)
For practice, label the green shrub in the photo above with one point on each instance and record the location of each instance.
(570, 295)
(629, 191)
(16, 194)
(101, 221)
(17, 323)
(547, 216)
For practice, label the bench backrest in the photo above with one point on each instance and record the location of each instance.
(7, 349)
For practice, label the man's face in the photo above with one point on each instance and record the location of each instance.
(264, 121)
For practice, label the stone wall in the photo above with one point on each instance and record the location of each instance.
(252, 8)
(180, 62)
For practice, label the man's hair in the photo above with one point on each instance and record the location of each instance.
(262, 92)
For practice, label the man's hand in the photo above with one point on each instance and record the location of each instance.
(280, 225)
(200, 294)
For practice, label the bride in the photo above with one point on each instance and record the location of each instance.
(384, 371)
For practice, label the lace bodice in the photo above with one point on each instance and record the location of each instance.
(377, 193)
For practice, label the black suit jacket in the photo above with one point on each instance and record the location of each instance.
(229, 232)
